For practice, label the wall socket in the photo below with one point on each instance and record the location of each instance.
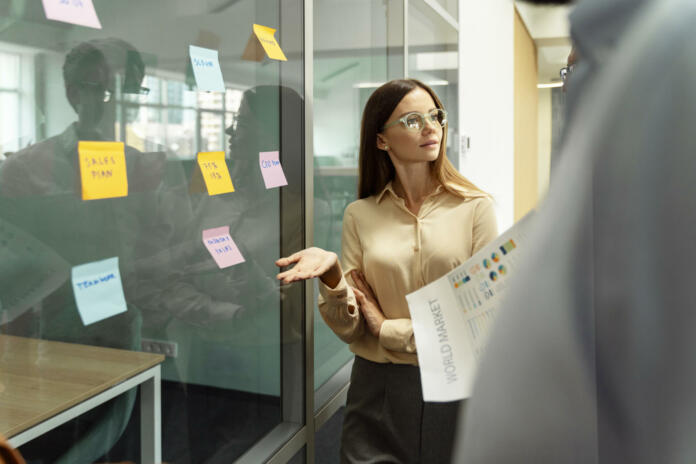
(169, 349)
(464, 144)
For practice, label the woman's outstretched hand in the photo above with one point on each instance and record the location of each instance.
(368, 304)
(310, 263)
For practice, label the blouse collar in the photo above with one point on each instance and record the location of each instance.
(390, 188)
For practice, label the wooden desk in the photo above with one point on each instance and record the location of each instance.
(44, 384)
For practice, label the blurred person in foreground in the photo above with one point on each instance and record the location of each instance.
(593, 359)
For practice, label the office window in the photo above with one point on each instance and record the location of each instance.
(9, 98)
(16, 98)
(169, 115)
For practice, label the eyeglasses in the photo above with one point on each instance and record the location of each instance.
(107, 94)
(567, 71)
(416, 121)
(137, 90)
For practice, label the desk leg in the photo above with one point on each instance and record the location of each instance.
(150, 420)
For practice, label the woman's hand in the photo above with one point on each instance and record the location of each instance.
(310, 263)
(368, 304)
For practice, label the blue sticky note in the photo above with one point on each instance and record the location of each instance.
(206, 69)
(98, 290)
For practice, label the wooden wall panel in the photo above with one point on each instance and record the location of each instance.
(526, 120)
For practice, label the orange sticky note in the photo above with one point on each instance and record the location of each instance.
(215, 173)
(103, 170)
(263, 40)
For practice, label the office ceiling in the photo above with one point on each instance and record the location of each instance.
(548, 26)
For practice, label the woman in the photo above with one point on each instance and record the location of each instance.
(417, 218)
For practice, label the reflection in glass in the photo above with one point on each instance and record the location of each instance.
(451, 7)
(39, 202)
(172, 116)
(9, 124)
(222, 391)
(433, 59)
(347, 68)
(9, 78)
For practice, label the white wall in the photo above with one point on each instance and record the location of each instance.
(486, 51)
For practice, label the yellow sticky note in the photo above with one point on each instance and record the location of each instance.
(215, 173)
(103, 170)
(264, 37)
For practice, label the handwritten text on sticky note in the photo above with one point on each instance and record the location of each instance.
(80, 12)
(98, 290)
(221, 247)
(206, 69)
(103, 170)
(268, 42)
(215, 173)
(272, 171)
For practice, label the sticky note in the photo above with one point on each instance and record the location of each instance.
(98, 290)
(206, 69)
(262, 39)
(271, 170)
(80, 12)
(215, 173)
(103, 170)
(221, 247)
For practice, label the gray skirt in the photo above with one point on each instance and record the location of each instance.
(387, 421)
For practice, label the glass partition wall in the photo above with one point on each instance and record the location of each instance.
(359, 45)
(251, 371)
(434, 59)
(230, 332)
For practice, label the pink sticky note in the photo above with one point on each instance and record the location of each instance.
(272, 171)
(222, 247)
(80, 12)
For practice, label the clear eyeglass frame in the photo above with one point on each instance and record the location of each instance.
(415, 121)
(108, 94)
(136, 90)
(566, 71)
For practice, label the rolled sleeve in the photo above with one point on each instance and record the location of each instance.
(339, 309)
(397, 335)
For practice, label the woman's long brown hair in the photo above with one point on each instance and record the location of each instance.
(376, 168)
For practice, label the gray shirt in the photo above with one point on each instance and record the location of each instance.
(593, 358)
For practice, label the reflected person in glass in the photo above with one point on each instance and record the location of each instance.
(417, 218)
(227, 409)
(40, 196)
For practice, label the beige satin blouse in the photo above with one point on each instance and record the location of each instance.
(399, 252)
